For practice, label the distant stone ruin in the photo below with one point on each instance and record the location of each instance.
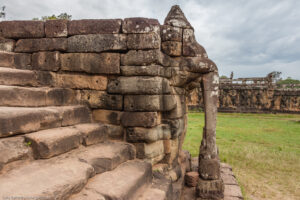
(96, 109)
(258, 94)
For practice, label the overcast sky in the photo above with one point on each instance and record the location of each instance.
(249, 37)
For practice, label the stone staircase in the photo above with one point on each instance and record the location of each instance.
(73, 93)
(50, 147)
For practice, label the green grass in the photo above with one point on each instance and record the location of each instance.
(263, 149)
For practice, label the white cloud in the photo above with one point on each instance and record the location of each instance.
(251, 38)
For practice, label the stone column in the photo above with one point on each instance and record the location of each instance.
(210, 184)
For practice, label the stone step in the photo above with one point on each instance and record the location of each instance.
(153, 193)
(105, 156)
(13, 149)
(64, 175)
(52, 142)
(21, 77)
(122, 183)
(55, 141)
(160, 189)
(34, 97)
(93, 133)
(20, 120)
(45, 179)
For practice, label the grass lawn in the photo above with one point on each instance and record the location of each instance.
(263, 149)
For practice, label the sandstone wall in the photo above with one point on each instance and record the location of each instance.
(132, 73)
(78, 85)
(252, 98)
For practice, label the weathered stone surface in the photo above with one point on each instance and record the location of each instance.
(121, 183)
(208, 148)
(161, 189)
(57, 179)
(43, 44)
(100, 99)
(253, 98)
(171, 148)
(181, 78)
(228, 179)
(189, 193)
(139, 85)
(140, 58)
(20, 96)
(179, 110)
(179, 183)
(7, 45)
(97, 43)
(153, 152)
(104, 63)
(138, 134)
(209, 169)
(52, 142)
(15, 120)
(172, 48)
(178, 91)
(71, 115)
(49, 61)
(56, 28)
(92, 133)
(143, 41)
(232, 198)
(80, 81)
(107, 116)
(194, 164)
(60, 96)
(170, 33)
(106, 156)
(185, 159)
(233, 191)
(190, 46)
(22, 29)
(115, 131)
(17, 77)
(191, 179)
(198, 65)
(177, 126)
(167, 146)
(174, 175)
(177, 18)
(87, 194)
(150, 70)
(149, 102)
(210, 189)
(141, 119)
(12, 149)
(15, 60)
(140, 25)
(225, 167)
(94, 26)
(226, 170)
(45, 78)
(153, 193)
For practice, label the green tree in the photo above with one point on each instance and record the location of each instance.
(288, 81)
(223, 77)
(60, 16)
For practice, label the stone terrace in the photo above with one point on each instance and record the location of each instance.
(96, 109)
